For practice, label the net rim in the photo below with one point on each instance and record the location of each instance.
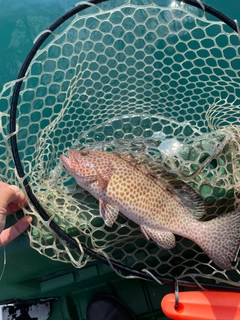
(14, 145)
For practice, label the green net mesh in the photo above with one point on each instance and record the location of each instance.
(128, 76)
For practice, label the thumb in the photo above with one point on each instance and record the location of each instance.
(2, 222)
(14, 231)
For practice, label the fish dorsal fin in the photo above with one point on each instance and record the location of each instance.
(182, 192)
(189, 198)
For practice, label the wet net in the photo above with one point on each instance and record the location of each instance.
(158, 81)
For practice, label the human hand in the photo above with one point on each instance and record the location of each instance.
(11, 200)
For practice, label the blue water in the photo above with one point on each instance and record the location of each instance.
(22, 21)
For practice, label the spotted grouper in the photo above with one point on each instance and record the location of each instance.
(162, 209)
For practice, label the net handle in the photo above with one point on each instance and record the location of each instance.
(14, 147)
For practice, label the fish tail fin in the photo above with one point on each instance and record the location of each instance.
(221, 239)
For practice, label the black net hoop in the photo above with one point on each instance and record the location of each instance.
(15, 149)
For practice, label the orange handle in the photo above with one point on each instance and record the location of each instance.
(203, 305)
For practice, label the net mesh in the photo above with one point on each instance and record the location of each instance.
(160, 83)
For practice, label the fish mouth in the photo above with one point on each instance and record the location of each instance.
(65, 160)
(63, 156)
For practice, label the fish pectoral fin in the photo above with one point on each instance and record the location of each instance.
(164, 239)
(108, 212)
(102, 182)
(103, 178)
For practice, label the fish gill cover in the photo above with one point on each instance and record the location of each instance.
(158, 82)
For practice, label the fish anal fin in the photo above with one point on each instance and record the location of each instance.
(164, 239)
(108, 212)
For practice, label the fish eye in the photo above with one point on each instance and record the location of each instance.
(84, 153)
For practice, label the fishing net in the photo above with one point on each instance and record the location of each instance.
(156, 80)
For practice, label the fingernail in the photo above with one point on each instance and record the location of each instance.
(29, 219)
(15, 188)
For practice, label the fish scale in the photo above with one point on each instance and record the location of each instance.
(123, 185)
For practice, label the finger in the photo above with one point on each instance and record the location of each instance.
(3, 184)
(2, 222)
(8, 195)
(11, 199)
(20, 195)
(14, 231)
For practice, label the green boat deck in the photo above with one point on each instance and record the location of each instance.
(27, 274)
